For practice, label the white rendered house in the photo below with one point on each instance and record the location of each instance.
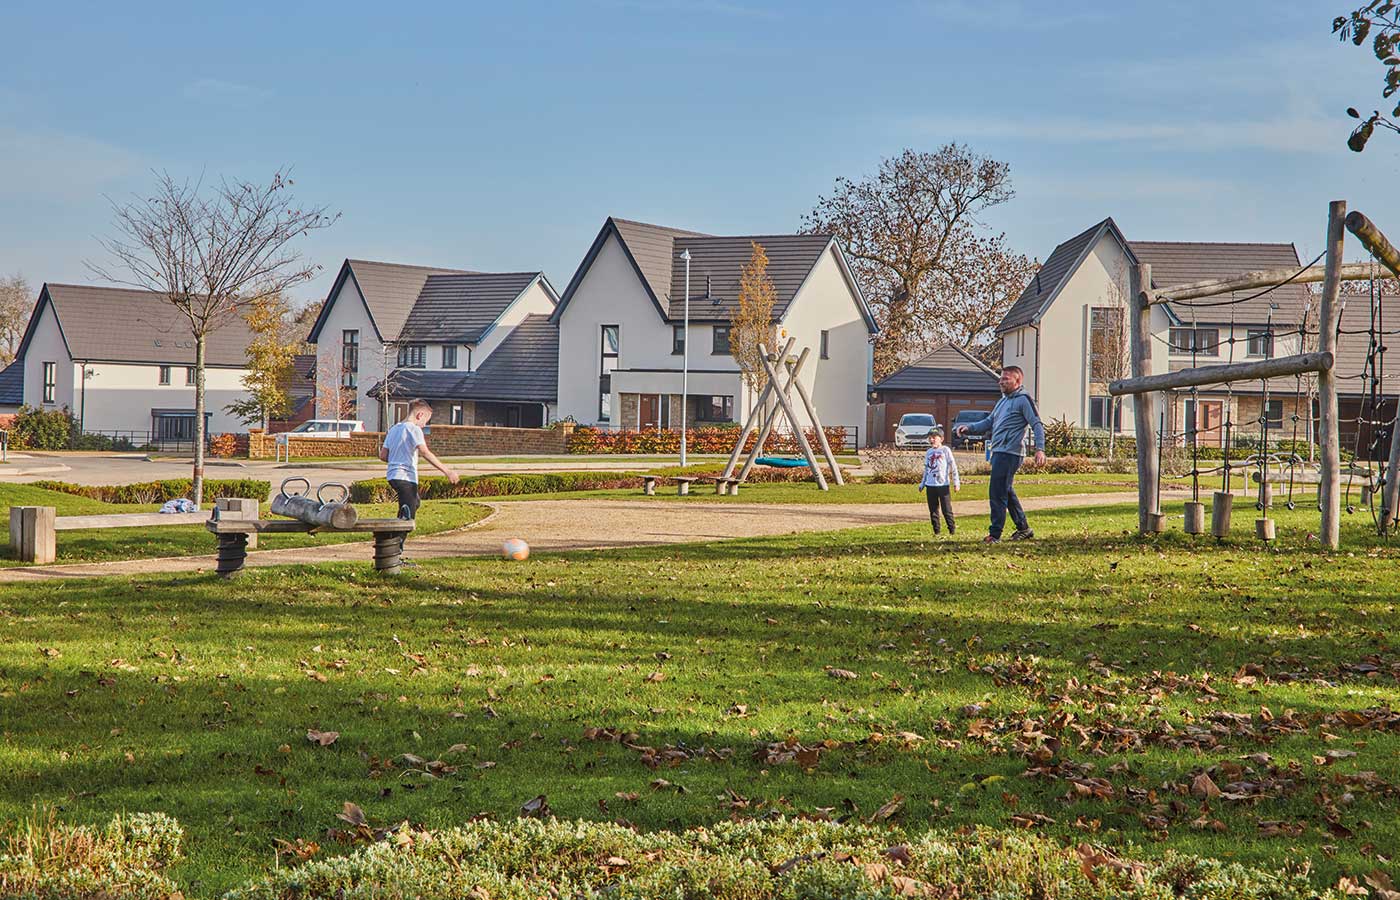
(122, 362)
(479, 346)
(622, 335)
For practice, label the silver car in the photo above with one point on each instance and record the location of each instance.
(914, 429)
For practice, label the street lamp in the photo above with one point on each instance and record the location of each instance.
(685, 354)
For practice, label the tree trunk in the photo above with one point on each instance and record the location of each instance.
(198, 489)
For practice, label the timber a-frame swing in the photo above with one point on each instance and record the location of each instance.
(1143, 385)
(781, 390)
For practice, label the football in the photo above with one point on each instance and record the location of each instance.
(515, 549)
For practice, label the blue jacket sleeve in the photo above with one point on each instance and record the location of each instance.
(981, 426)
(1037, 427)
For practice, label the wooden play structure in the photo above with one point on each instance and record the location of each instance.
(779, 390)
(1144, 386)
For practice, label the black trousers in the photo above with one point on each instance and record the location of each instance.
(940, 498)
(407, 492)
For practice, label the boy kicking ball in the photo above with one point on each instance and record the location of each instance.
(940, 480)
(402, 447)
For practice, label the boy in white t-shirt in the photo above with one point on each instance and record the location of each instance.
(402, 445)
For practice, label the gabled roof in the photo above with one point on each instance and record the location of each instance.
(1182, 262)
(463, 308)
(654, 252)
(949, 369)
(389, 289)
(12, 383)
(107, 324)
(1055, 272)
(525, 368)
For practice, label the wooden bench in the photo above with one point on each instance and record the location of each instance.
(33, 529)
(233, 535)
(683, 483)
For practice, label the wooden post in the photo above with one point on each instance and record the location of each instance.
(1330, 482)
(751, 422)
(240, 509)
(770, 420)
(781, 397)
(1144, 405)
(821, 432)
(32, 537)
(1195, 517)
(1198, 376)
(1264, 529)
(1220, 508)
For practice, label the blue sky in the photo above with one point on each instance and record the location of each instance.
(499, 136)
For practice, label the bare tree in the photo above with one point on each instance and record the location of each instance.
(751, 322)
(335, 395)
(914, 240)
(210, 251)
(16, 303)
(984, 279)
(1109, 355)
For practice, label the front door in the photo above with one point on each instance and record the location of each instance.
(1208, 423)
(650, 412)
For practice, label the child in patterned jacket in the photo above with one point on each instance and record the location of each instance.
(940, 480)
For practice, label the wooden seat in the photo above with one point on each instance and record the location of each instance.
(683, 484)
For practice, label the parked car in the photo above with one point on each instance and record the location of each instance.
(913, 430)
(968, 417)
(335, 428)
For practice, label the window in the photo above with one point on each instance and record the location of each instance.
(350, 358)
(607, 362)
(1108, 345)
(1273, 414)
(826, 344)
(714, 409)
(164, 374)
(1261, 342)
(51, 381)
(189, 375)
(677, 340)
(1100, 409)
(455, 417)
(449, 356)
(1020, 342)
(1202, 341)
(413, 356)
(720, 343)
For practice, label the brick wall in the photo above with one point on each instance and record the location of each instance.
(362, 443)
(486, 440)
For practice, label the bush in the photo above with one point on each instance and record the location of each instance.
(39, 429)
(151, 492)
(701, 439)
(774, 859)
(377, 490)
(222, 446)
(892, 466)
(1061, 465)
(45, 859)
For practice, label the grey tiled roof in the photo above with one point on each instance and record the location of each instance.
(947, 370)
(525, 368)
(1182, 262)
(12, 383)
(122, 325)
(653, 248)
(722, 259)
(461, 308)
(391, 289)
(1052, 275)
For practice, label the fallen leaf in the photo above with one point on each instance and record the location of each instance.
(322, 738)
(537, 808)
(845, 674)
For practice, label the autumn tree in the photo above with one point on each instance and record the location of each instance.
(1376, 23)
(16, 303)
(270, 357)
(751, 322)
(931, 271)
(1110, 356)
(210, 251)
(335, 397)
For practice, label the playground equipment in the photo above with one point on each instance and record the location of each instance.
(780, 390)
(1145, 386)
(296, 504)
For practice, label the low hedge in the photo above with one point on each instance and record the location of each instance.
(702, 439)
(775, 859)
(377, 490)
(48, 860)
(161, 491)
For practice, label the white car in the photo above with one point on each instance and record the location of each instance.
(914, 429)
(324, 428)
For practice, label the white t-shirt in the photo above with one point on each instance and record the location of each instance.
(402, 443)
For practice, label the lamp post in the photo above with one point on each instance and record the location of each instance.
(685, 353)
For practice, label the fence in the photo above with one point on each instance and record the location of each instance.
(133, 440)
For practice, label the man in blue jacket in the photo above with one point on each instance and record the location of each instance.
(1013, 414)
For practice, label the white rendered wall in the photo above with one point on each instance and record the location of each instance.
(120, 396)
(46, 345)
(348, 312)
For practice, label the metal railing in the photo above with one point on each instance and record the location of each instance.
(134, 440)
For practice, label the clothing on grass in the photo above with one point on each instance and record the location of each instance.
(940, 497)
(401, 444)
(1002, 494)
(1013, 414)
(940, 468)
(407, 494)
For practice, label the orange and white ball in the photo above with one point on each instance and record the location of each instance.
(515, 549)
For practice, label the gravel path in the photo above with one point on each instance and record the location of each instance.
(554, 525)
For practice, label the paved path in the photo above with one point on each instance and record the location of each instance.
(554, 525)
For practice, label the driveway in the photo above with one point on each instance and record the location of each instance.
(557, 525)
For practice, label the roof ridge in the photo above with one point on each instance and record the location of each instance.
(754, 237)
(378, 262)
(492, 274)
(1220, 243)
(684, 231)
(102, 287)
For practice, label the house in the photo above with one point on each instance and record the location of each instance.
(479, 346)
(11, 389)
(622, 335)
(942, 384)
(1068, 331)
(299, 383)
(122, 361)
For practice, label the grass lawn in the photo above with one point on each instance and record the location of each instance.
(1079, 686)
(101, 544)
